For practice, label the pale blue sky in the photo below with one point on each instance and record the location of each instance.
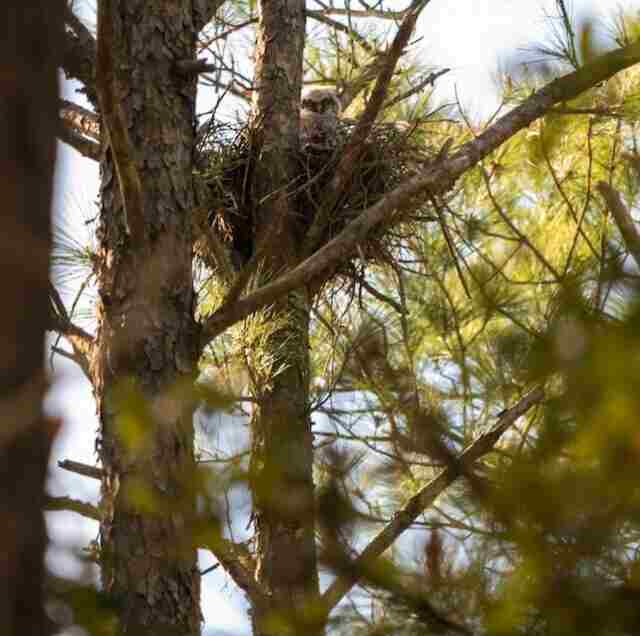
(473, 38)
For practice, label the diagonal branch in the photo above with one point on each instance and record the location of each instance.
(81, 342)
(437, 178)
(622, 217)
(238, 562)
(69, 135)
(320, 16)
(424, 498)
(354, 147)
(80, 128)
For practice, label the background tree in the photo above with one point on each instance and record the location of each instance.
(29, 39)
(403, 268)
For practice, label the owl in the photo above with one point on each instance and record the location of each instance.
(319, 119)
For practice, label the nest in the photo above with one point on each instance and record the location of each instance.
(391, 154)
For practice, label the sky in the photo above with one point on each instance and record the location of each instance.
(475, 38)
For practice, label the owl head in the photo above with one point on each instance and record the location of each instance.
(321, 100)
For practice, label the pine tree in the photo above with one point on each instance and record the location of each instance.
(472, 240)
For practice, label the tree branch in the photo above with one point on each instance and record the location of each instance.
(69, 135)
(238, 562)
(437, 178)
(622, 217)
(320, 16)
(81, 469)
(194, 67)
(83, 120)
(79, 55)
(380, 14)
(424, 498)
(235, 558)
(355, 145)
(81, 342)
(71, 505)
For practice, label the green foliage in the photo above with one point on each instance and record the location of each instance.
(517, 278)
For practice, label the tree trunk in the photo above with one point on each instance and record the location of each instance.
(30, 37)
(282, 450)
(147, 335)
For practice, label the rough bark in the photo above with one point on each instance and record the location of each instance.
(282, 450)
(146, 338)
(30, 36)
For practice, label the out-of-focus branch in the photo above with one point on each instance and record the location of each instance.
(622, 217)
(425, 497)
(81, 469)
(238, 562)
(72, 505)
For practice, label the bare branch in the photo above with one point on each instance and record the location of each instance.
(381, 14)
(622, 217)
(80, 128)
(84, 146)
(62, 323)
(425, 497)
(321, 16)
(72, 505)
(81, 342)
(84, 121)
(437, 178)
(429, 80)
(234, 558)
(79, 56)
(81, 469)
(194, 67)
(238, 562)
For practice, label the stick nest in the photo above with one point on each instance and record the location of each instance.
(227, 158)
